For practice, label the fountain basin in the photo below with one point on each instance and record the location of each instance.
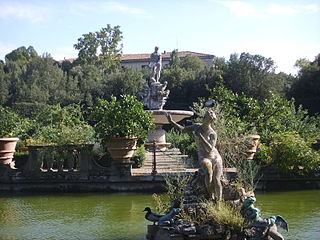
(157, 138)
(177, 115)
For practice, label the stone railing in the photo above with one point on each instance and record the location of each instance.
(50, 161)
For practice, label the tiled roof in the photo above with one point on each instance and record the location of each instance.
(146, 56)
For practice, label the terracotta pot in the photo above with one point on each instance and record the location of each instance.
(7, 149)
(122, 149)
(253, 141)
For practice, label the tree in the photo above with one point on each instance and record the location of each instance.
(193, 63)
(4, 85)
(14, 68)
(88, 81)
(21, 54)
(306, 90)
(174, 58)
(102, 48)
(123, 81)
(254, 75)
(187, 81)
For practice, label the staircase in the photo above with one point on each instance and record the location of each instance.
(169, 161)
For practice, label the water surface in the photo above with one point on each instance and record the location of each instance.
(121, 217)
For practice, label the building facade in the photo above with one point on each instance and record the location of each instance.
(140, 61)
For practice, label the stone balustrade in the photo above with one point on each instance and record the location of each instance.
(74, 160)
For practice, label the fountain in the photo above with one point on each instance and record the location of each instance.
(154, 96)
(210, 206)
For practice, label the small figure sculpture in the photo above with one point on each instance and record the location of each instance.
(210, 160)
(155, 64)
(252, 215)
(152, 217)
(168, 218)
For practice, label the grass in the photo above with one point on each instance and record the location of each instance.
(209, 211)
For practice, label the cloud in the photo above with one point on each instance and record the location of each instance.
(239, 8)
(123, 8)
(23, 11)
(283, 52)
(79, 7)
(311, 7)
(245, 9)
(282, 10)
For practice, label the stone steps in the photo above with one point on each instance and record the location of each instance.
(170, 161)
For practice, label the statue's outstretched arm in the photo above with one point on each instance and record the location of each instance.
(178, 126)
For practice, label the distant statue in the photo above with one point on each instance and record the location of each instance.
(210, 160)
(153, 93)
(155, 64)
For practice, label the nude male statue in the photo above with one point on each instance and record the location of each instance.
(210, 160)
(155, 64)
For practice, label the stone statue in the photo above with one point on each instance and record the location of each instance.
(209, 158)
(153, 93)
(252, 215)
(155, 64)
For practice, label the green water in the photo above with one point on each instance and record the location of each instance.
(120, 216)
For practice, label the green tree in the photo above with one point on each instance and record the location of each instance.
(193, 63)
(21, 54)
(123, 81)
(42, 81)
(253, 75)
(4, 85)
(15, 68)
(306, 90)
(102, 47)
(174, 58)
(89, 83)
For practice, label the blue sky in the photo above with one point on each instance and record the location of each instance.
(283, 30)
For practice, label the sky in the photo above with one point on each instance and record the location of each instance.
(284, 30)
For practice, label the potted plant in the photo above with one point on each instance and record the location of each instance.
(252, 142)
(8, 126)
(119, 123)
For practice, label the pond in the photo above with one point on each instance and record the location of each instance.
(120, 216)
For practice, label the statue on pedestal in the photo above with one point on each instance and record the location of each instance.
(154, 94)
(155, 64)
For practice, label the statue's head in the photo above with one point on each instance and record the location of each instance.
(209, 116)
(249, 200)
(156, 49)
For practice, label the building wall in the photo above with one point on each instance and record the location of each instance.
(141, 63)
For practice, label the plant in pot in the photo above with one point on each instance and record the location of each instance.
(119, 123)
(8, 127)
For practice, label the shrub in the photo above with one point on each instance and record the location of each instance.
(12, 125)
(139, 156)
(182, 141)
(57, 125)
(292, 154)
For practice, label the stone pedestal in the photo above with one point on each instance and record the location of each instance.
(157, 136)
(122, 169)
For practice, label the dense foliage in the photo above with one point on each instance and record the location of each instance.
(42, 100)
(12, 125)
(60, 125)
(291, 153)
